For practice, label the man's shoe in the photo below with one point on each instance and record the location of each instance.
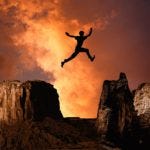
(62, 64)
(93, 58)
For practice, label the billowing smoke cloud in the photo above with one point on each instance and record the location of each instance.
(15, 60)
(33, 43)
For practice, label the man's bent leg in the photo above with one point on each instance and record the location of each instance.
(88, 53)
(70, 58)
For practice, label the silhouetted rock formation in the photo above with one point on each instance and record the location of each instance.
(40, 100)
(115, 109)
(30, 100)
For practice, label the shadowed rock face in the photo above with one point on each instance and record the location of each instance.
(41, 100)
(29, 100)
(115, 108)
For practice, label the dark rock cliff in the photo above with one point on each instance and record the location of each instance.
(115, 110)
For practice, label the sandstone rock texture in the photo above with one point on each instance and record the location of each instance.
(141, 128)
(10, 108)
(29, 100)
(115, 110)
(142, 102)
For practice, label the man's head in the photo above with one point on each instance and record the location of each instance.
(81, 33)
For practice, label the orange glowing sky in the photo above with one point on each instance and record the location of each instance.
(33, 43)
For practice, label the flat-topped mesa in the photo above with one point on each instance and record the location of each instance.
(115, 108)
(29, 100)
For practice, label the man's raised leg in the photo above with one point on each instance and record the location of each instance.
(88, 53)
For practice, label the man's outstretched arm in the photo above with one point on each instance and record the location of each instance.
(90, 32)
(69, 35)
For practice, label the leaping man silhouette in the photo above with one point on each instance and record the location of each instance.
(80, 39)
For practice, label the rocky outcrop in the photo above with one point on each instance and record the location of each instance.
(142, 103)
(43, 135)
(29, 100)
(115, 110)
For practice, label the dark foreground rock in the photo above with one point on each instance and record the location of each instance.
(30, 135)
(115, 110)
(51, 134)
